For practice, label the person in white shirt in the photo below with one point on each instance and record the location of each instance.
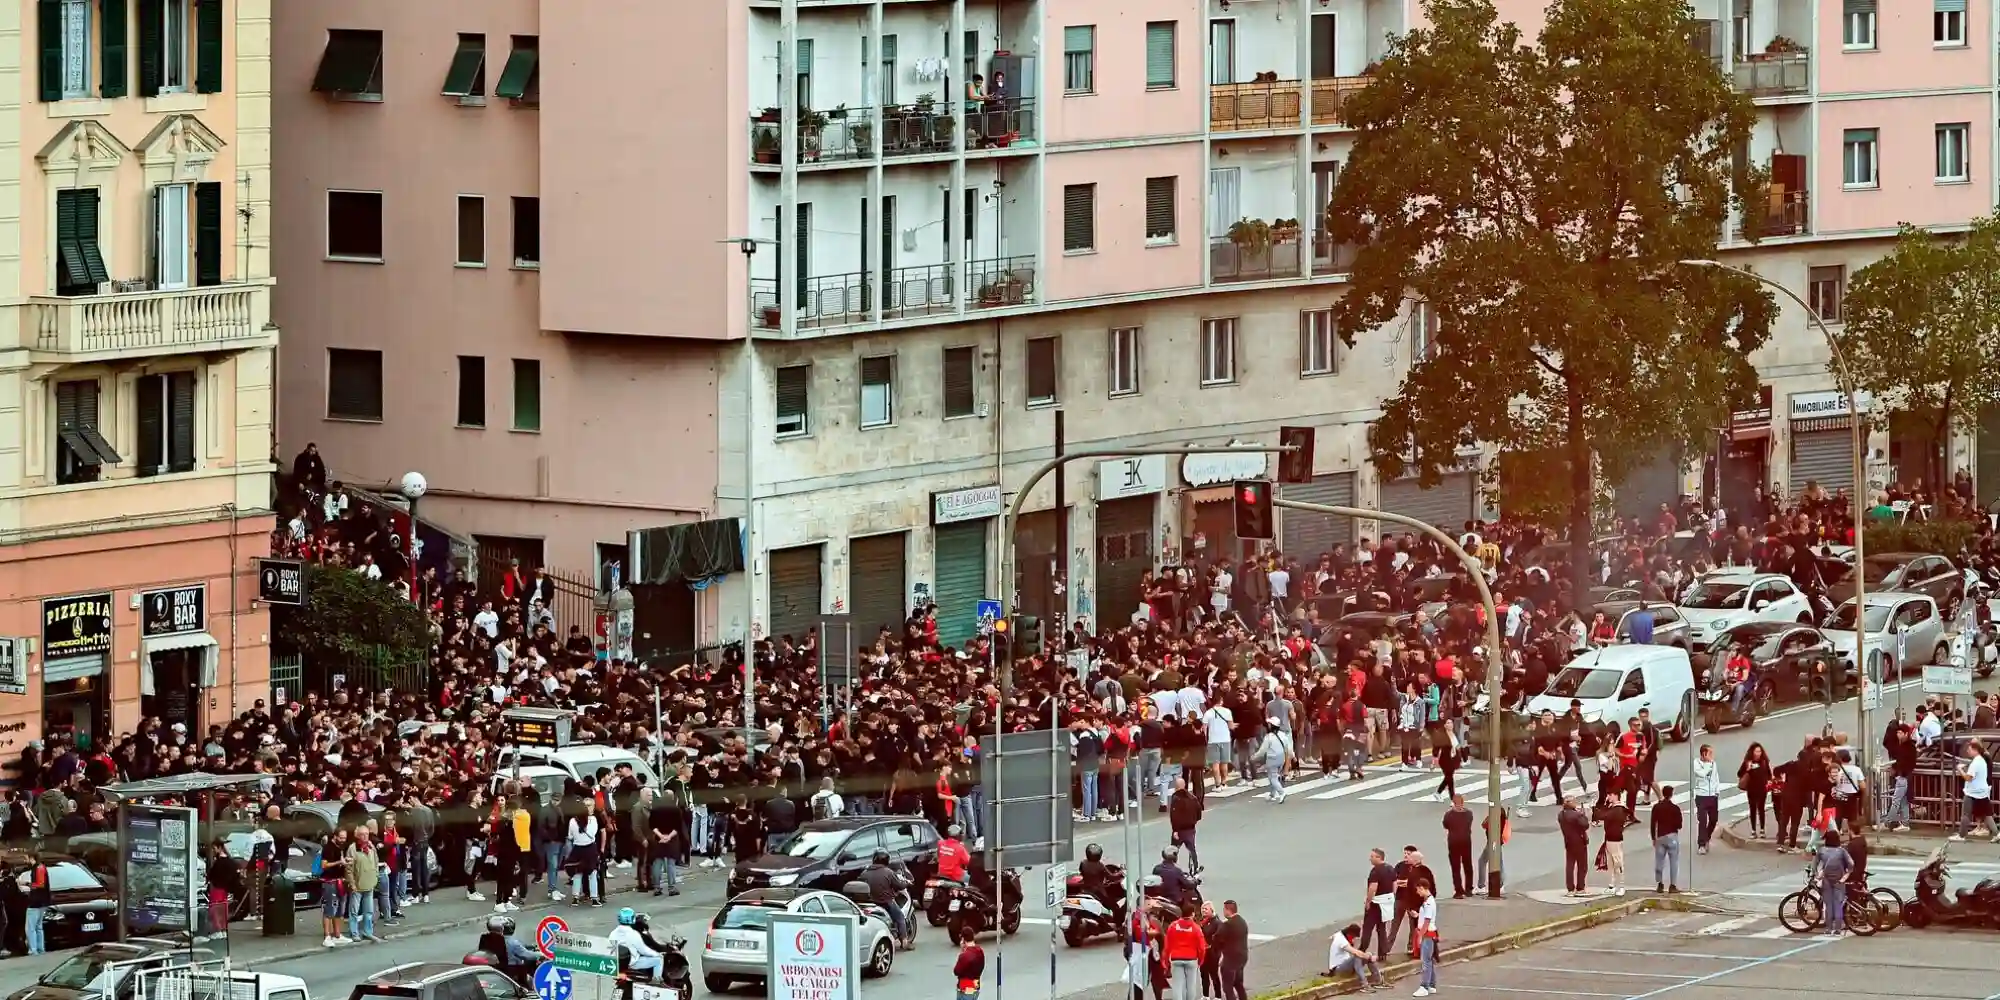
(1978, 791)
(1281, 585)
(1427, 940)
(1707, 799)
(1218, 590)
(1193, 700)
(487, 620)
(827, 803)
(1166, 704)
(1218, 720)
(1929, 729)
(1343, 955)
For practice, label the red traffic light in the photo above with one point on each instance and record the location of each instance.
(1250, 495)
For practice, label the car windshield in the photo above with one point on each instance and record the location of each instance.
(1714, 596)
(1584, 683)
(79, 972)
(745, 917)
(1880, 570)
(1878, 617)
(816, 844)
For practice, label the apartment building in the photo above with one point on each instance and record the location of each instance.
(136, 363)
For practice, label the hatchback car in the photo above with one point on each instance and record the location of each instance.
(439, 981)
(829, 853)
(107, 970)
(739, 936)
(1726, 598)
(1904, 631)
(1911, 572)
(83, 904)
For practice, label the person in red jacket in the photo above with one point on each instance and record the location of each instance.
(1184, 948)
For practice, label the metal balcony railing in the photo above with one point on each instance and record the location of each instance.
(828, 300)
(1775, 74)
(1239, 107)
(1001, 281)
(1230, 262)
(1001, 122)
(840, 134)
(911, 130)
(1330, 97)
(920, 290)
(1784, 214)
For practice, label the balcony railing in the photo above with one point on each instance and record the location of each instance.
(1774, 74)
(1229, 261)
(912, 130)
(1239, 107)
(1784, 214)
(840, 134)
(1333, 258)
(133, 324)
(1330, 98)
(1002, 281)
(922, 290)
(919, 290)
(1002, 122)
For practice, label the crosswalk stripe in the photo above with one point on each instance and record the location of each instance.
(1725, 926)
(1426, 786)
(1229, 792)
(1372, 783)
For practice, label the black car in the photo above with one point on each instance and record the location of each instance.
(1786, 654)
(1911, 572)
(100, 852)
(439, 981)
(1370, 624)
(109, 970)
(83, 905)
(829, 853)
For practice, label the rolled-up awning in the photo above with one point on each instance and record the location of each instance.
(183, 640)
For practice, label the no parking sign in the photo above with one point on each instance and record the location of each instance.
(545, 935)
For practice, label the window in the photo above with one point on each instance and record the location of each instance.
(878, 391)
(1858, 166)
(1041, 371)
(65, 30)
(166, 44)
(1951, 152)
(1423, 332)
(888, 85)
(1948, 22)
(471, 391)
(961, 395)
(527, 232)
(971, 53)
(1079, 59)
(164, 423)
(1825, 287)
(527, 394)
(1160, 209)
(1079, 218)
(1857, 24)
(1218, 351)
(79, 262)
(1124, 356)
(520, 79)
(793, 395)
(472, 230)
(353, 384)
(351, 66)
(171, 248)
(466, 79)
(1316, 343)
(81, 450)
(208, 233)
(354, 225)
(1160, 54)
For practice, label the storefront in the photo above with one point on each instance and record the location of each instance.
(1208, 509)
(177, 655)
(1746, 458)
(877, 568)
(76, 656)
(1448, 505)
(961, 522)
(1128, 491)
(1305, 536)
(1822, 431)
(1037, 539)
(797, 591)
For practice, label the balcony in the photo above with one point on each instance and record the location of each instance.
(1263, 104)
(1330, 97)
(1775, 74)
(913, 292)
(842, 134)
(1255, 251)
(1333, 258)
(1784, 215)
(85, 328)
(1002, 281)
(917, 129)
(922, 290)
(1001, 123)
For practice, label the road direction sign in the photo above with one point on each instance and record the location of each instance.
(545, 935)
(552, 983)
(1058, 883)
(584, 953)
(989, 612)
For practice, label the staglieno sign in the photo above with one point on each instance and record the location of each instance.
(1809, 405)
(1209, 468)
(952, 506)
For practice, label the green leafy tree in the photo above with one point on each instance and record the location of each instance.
(1538, 196)
(1921, 331)
(350, 622)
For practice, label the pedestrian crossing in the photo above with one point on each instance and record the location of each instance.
(1898, 872)
(1423, 786)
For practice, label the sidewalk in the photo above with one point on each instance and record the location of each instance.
(1919, 842)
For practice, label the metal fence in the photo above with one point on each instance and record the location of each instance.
(573, 597)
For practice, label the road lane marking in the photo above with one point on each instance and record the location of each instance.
(1726, 926)
(1370, 783)
(1732, 970)
(1523, 989)
(1662, 954)
(1772, 933)
(1608, 972)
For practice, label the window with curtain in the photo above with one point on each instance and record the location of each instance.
(1079, 59)
(1858, 166)
(1952, 152)
(1160, 47)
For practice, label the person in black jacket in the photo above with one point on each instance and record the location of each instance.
(1233, 942)
(1575, 827)
(1183, 812)
(664, 825)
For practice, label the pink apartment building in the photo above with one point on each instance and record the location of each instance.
(831, 269)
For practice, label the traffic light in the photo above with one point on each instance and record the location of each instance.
(1253, 509)
(1295, 465)
(1027, 637)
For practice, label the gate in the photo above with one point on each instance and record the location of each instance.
(287, 676)
(572, 596)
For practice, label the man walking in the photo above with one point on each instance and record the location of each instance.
(1575, 827)
(1183, 812)
(1614, 817)
(1411, 874)
(1666, 842)
(1978, 791)
(1458, 821)
(1233, 941)
(1707, 799)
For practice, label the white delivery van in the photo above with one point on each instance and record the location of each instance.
(1612, 684)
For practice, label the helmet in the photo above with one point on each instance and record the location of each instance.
(1094, 853)
(953, 831)
(503, 926)
(626, 917)
(1171, 855)
(880, 858)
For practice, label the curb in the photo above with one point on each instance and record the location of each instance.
(1883, 846)
(1510, 940)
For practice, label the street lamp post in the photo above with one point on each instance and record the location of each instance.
(1838, 364)
(747, 245)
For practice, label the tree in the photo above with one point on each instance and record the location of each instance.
(351, 621)
(1921, 329)
(1537, 197)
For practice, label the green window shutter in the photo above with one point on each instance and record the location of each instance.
(1160, 53)
(467, 75)
(519, 75)
(152, 399)
(180, 422)
(151, 13)
(208, 46)
(114, 56)
(48, 35)
(208, 233)
(86, 236)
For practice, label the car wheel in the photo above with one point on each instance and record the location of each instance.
(716, 984)
(884, 957)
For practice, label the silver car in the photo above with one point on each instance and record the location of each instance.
(1904, 631)
(736, 950)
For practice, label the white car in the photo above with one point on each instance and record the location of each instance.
(1896, 621)
(1724, 599)
(1614, 683)
(735, 951)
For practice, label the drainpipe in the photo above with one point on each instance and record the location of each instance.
(1006, 587)
(234, 571)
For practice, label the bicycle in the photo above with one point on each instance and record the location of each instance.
(1804, 911)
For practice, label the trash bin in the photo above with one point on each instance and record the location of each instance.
(280, 912)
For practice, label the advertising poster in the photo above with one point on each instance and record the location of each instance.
(160, 876)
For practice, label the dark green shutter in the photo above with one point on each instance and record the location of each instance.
(208, 46)
(48, 30)
(151, 13)
(87, 235)
(69, 255)
(152, 399)
(208, 233)
(518, 76)
(113, 53)
(180, 422)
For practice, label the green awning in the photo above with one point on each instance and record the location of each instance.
(467, 76)
(351, 64)
(519, 76)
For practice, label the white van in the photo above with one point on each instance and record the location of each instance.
(580, 761)
(1615, 682)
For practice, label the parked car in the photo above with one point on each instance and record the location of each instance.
(1615, 682)
(440, 981)
(108, 970)
(83, 906)
(1725, 598)
(1910, 572)
(829, 853)
(1904, 631)
(738, 940)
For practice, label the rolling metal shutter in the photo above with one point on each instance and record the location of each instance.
(875, 587)
(959, 567)
(796, 591)
(1648, 486)
(1448, 505)
(1305, 535)
(1824, 457)
(1035, 547)
(1124, 554)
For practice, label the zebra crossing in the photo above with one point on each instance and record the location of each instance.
(1898, 872)
(1380, 785)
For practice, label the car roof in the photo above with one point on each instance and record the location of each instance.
(1897, 556)
(418, 973)
(1888, 598)
(1623, 657)
(768, 896)
(856, 822)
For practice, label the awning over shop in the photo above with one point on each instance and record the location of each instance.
(169, 643)
(54, 671)
(684, 553)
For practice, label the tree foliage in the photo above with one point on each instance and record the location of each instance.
(349, 619)
(1921, 329)
(1538, 197)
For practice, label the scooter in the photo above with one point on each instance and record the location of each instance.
(1150, 893)
(1978, 906)
(968, 908)
(492, 953)
(863, 896)
(1718, 697)
(1085, 914)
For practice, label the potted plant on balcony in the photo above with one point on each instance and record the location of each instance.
(764, 145)
(925, 102)
(1285, 231)
(1251, 236)
(1779, 45)
(771, 116)
(811, 125)
(769, 318)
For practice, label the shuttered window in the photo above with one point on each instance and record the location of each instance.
(81, 450)
(878, 391)
(208, 46)
(1948, 22)
(527, 394)
(1160, 54)
(351, 66)
(1079, 217)
(114, 52)
(79, 262)
(961, 399)
(1042, 371)
(520, 79)
(164, 423)
(466, 77)
(353, 384)
(208, 233)
(793, 397)
(63, 31)
(1160, 209)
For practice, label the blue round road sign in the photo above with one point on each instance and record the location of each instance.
(552, 983)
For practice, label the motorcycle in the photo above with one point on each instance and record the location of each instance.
(491, 952)
(968, 907)
(1978, 906)
(1085, 914)
(1153, 899)
(1718, 697)
(863, 896)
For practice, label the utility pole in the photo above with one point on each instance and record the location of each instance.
(1060, 614)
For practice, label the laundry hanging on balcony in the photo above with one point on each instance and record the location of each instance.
(930, 68)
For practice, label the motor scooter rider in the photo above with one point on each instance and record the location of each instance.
(952, 856)
(884, 883)
(1175, 885)
(1097, 881)
(499, 941)
(1738, 672)
(627, 936)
